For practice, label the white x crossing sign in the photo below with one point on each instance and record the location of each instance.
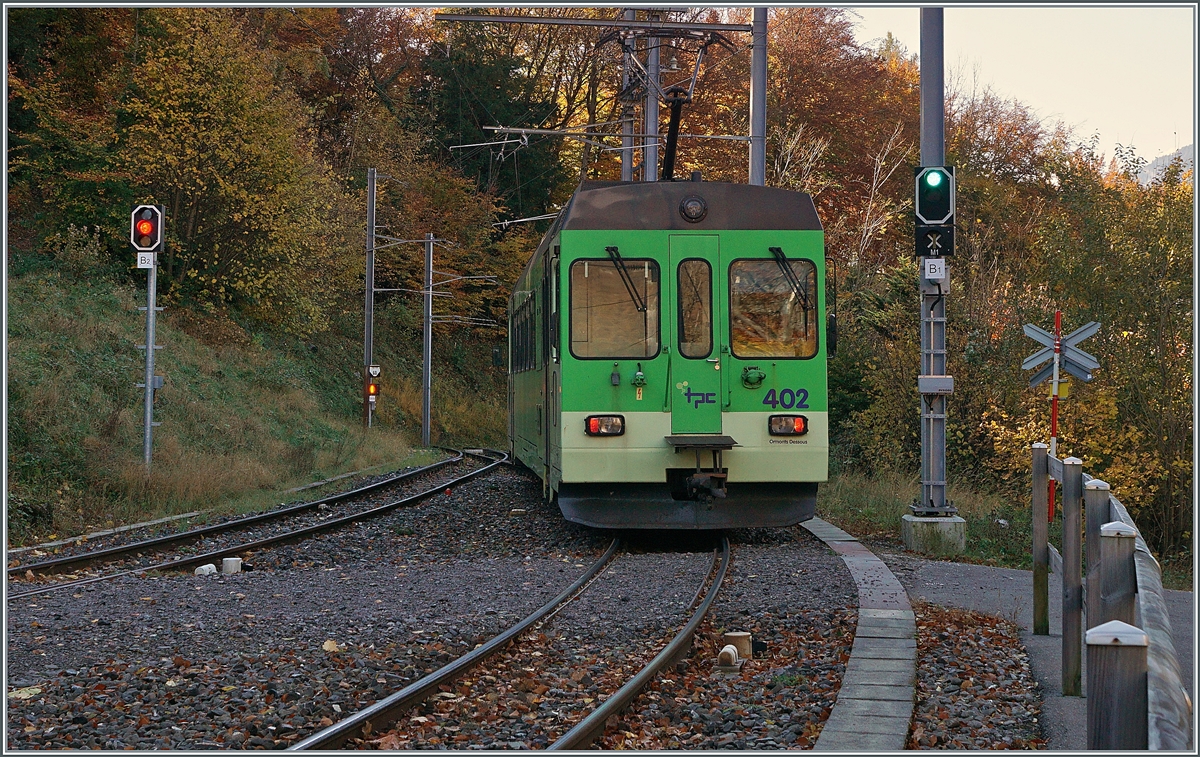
(1071, 359)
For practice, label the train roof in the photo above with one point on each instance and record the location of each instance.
(656, 205)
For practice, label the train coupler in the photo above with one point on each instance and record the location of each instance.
(707, 483)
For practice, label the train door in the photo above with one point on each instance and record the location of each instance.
(553, 437)
(696, 346)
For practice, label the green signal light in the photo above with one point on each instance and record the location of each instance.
(933, 178)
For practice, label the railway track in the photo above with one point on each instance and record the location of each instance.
(314, 517)
(385, 712)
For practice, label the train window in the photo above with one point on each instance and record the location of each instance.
(767, 316)
(695, 308)
(614, 311)
(523, 336)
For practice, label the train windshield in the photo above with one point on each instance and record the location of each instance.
(769, 315)
(614, 312)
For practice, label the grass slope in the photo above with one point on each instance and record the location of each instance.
(244, 416)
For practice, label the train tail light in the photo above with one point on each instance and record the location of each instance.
(787, 425)
(604, 425)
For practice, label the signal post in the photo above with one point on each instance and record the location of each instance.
(146, 235)
(934, 525)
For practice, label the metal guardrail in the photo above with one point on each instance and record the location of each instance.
(1168, 707)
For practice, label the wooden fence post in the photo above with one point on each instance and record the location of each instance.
(1116, 708)
(1072, 578)
(1096, 513)
(1118, 576)
(1041, 554)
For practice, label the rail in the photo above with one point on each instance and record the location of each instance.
(592, 727)
(74, 562)
(383, 713)
(1166, 721)
(283, 538)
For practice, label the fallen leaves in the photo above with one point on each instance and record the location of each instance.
(974, 687)
(27, 692)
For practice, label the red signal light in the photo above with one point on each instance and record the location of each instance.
(146, 228)
(787, 425)
(604, 425)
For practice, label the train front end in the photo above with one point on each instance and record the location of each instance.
(692, 391)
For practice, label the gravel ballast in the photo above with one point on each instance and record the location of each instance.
(322, 628)
(974, 686)
(290, 518)
(394, 597)
(796, 598)
(529, 695)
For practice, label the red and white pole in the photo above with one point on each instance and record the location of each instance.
(1054, 406)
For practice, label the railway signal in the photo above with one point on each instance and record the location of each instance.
(146, 228)
(371, 385)
(146, 234)
(933, 210)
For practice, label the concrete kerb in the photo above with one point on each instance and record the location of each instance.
(875, 702)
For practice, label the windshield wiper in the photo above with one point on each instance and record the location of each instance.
(790, 276)
(619, 262)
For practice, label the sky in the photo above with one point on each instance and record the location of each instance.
(1127, 73)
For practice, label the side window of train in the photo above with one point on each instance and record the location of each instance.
(614, 309)
(695, 308)
(554, 314)
(768, 316)
(523, 344)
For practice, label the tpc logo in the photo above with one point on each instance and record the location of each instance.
(696, 398)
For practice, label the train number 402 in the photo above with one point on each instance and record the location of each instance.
(787, 399)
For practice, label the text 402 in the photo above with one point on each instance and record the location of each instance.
(787, 399)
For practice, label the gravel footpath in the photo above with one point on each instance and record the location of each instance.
(1000, 705)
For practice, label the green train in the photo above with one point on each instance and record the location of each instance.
(667, 357)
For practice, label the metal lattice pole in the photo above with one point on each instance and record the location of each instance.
(151, 287)
(933, 294)
(650, 154)
(369, 307)
(427, 362)
(627, 113)
(758, 99)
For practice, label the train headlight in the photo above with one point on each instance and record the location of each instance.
(787, 425)
(693, 208)
(604, 425)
